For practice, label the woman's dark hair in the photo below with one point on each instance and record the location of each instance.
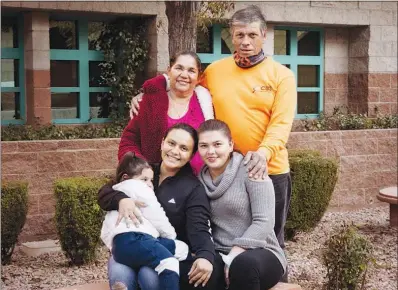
(187, 128)
(174, 58)
(215, 125)
(131, 165)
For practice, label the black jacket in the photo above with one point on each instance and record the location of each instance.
(186, 204)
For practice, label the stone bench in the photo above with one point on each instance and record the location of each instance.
(105, 286)
(390, 196)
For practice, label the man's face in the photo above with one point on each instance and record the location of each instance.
(247, 39)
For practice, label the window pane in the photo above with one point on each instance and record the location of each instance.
(308, 75)
(9, 32)
(308, 43)
(64, 73)
(287, 65)
(204, 41)
(64, 105)
(10, 106)
(95, 71)
(9, 73)
(100, 105)
(307, 103)
(226, 41)
(282, 42)
(94, 33)
(63, 35)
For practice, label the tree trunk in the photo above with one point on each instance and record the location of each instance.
(182, 25)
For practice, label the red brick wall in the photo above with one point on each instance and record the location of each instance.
(382, 93)
(368, 161)
(336, 91)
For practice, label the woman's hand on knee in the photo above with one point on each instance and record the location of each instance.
(200, 272)
(128, 209)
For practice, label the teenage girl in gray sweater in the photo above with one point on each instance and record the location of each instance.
(243, 213)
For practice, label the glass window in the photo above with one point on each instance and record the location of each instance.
(94, 32)
(308, 75)
(9, 32)
(64, 73)
(307, 103)
(64, 105)
(100, 105)
(63, 35)
(10, 106)
(308, 43)
(204, 41)
(95, 72)
(12, 72)
(281, 42)
(9, 73)
(79, 94)
(226, 41)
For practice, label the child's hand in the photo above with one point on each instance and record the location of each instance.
(128, 209)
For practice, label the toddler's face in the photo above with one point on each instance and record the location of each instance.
(146, 176)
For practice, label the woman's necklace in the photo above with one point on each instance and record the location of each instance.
(177, 110)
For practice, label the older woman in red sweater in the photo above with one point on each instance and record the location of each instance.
(168, 100)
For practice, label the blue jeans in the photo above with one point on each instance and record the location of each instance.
(146, 277)
(138, 249)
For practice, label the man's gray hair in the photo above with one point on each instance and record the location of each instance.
(249, 15)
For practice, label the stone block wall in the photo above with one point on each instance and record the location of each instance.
(42, 162)
(368, 161)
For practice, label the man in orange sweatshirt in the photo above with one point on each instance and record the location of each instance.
(257, 98)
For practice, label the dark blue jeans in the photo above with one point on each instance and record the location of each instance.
(137, 250)
(283, 193)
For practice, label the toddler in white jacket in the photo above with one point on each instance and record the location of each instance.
(153, 243)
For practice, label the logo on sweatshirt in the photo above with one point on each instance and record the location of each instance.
(265, 88)
(172, 201)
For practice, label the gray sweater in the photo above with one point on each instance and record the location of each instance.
(242, 210)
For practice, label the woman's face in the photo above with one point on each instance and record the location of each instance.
(215, 149)
(176, 149)
(184, 74)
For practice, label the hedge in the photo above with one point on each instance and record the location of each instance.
(313, 181)
(78, 217)
(14, 208)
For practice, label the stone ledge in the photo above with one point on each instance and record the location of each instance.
(105, 286)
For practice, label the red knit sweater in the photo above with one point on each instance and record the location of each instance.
(144, 133)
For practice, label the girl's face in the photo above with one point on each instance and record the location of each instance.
(146, 176)
(176, 149)
(184, 74)
(215, 149)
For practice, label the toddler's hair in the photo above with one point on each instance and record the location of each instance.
(131, 165)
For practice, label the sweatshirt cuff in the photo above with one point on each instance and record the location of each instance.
(209, 256)
(117, 198)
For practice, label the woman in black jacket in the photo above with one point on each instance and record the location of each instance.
(186, 204)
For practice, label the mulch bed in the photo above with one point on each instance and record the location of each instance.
(51, 271)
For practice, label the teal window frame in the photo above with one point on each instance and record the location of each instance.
(16, 53)
(294, 60)
(83, 56)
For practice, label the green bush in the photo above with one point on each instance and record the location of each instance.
(78, 217)
(343, 119)
(313, 180)
(14, 207)
(346, 257)
(112, 129)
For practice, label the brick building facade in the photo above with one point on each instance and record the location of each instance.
(343, 53)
